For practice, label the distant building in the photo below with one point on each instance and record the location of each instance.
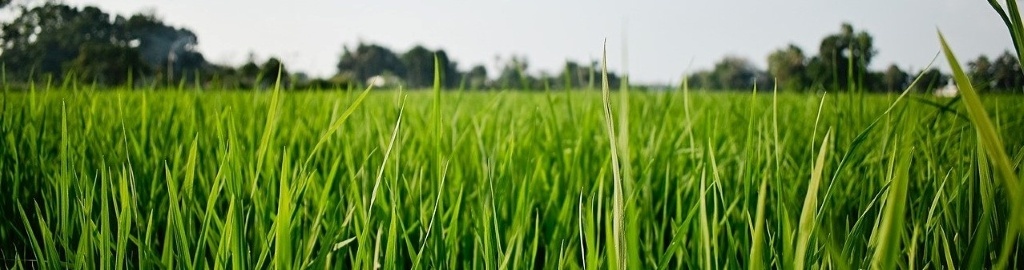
(384, 81)
(948, 90)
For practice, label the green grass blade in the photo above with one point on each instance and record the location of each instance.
(337, 123)
(705, 230)
(807, 215)
(757, 238)
(268, 133)
(283, 220)
(387, 155)
(618, 204)
(889, 230)
(1013, 24)
(993, 147)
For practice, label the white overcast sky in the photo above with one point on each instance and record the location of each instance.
(665, 38)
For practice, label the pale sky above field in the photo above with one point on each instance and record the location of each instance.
(665, 38)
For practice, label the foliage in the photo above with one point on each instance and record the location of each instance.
(895, 79)
(108, 65)
(52, 40)
(43, 38)
(476, 78)
(48, 39)
(273, 71)
(788, 66)
(165, 179)
(731, 73)
(1014, 25)
(419, 66)
(167, 49)
(930, 79)
(514, 75)
(578, 75)
(843, 59)
(1003, 74)
(840, 64)
(369, 60)
(997, 173)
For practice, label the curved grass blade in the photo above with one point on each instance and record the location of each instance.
(807, 215)
(618, 231)
(993, 147)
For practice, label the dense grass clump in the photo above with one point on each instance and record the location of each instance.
(499, 180)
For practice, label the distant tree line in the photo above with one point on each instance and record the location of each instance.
(842, 63)
(58, 42)
(415, 69)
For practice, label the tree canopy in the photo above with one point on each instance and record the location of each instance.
(788, 66)
(419, 66)
(369, 60)
(842, 64)
(54, 40)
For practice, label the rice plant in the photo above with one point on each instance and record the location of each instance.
(415, 179)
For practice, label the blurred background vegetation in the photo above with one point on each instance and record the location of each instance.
(54, 42)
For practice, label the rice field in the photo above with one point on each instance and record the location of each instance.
(186, 179)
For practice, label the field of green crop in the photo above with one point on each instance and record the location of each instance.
(118, 179)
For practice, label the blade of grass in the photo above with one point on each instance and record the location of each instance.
(889, 230)
(441, 167)
(268, 133)
(618, 232)
(807, 215)
(705, 230)
(1013, 24)
(283, 220)
(337, 123)
(993, 147)
(387, 155)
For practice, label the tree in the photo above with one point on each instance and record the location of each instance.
(788, 67)
(580, 76)
(476, 78)
(1007, 74)
(931, 79)
(419, 68)
(843, 59)
(513, 74)
(571, 75)
(271, 69)
(734, 72)
(48, 40)
(575, 75)
(730, 73)
(108, 65)
(894, 79)
(450, 76)
(982, 72)
(249, 69)
(369, 60)
(167, 49)
(248, 73)
(42, 39)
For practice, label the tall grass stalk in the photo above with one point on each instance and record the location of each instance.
(808, 214)
(434, 179)
(992, 145)
(618, 204)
